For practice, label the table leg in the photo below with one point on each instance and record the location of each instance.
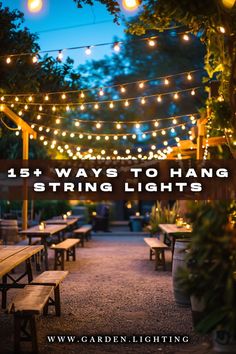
(44, 243)
(29, 270)
(4, 292)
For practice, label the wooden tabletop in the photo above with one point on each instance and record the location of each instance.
(48, 230)
(12, 256)
(67, 222)
(173, 229)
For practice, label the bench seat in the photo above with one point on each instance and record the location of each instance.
(157, 248)
(83, 232)
(52, 278)
(28, 303)
(68, 246)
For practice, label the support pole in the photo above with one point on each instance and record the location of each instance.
(200, 139)
(25, 137)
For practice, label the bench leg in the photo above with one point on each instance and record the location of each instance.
(57, 300)
(59, 259)
(25, 331)
(151, 253)
(4, 292)
(71, 253)
(160, 258)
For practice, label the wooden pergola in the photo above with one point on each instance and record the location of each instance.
(27, 131)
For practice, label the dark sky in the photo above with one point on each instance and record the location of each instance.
(60, 13)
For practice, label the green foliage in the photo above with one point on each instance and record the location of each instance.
(211, 260)
(162, 215)
(50, 208)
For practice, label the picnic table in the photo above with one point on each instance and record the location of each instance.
(47, 232)
(10, 258)
(67, 222)
(173, 232)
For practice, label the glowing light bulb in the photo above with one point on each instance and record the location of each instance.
(134, 136)
(126, 103)
(16, 99)
(154, 134)
(166, 81)
(143, 101)
(115, 137)
(26, 107)
(63, 134)
(122, 89)
(159, 99)
(222, 29)
(176, 96)
(58, 121)
(40, 108)
(98, 125)
(60, 56)
(156, 124)
(96, 106)
(46, 98)
(54, 108)
(8, 60)
(130, 5)
(77, 124)
(189, 77)
(163, 132)
(174, 121)
(35, 5)
(63, 96)
(35, 59)
(82, 107)
(165, 143)
(106, 137)
(186, 37)
(82, 95)
(137, 125)
(183, 127)
(72, 135)
(127, 151)
(101, 92)
(141, 85)
(89, 137)
(81, 136)
(38, 117)
(111, 105)
(116, 47)
(151, 42)
(98, 137)
(193, 93)
(2, 98)
(118, 126)
(88, 51)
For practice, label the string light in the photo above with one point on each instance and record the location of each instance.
(46, 98)
(8, 60)
(166, 81)
(189, 77)
(82, 95)
(143, 101)
(176, 96)
(186, 37)
(111, 105)
(116, 47)
(118, 126)
(159, 99)
(98, 125)
(88, 51)
(63, 96)
(35, 59)
(193, 92)
(96, 106)
(126, 103)
(141, 85)
(101, 92)
(60, 56)
(151, 42)
(122, 89)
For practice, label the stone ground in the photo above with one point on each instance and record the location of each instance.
(112, 289)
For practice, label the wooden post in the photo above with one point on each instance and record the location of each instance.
(25, 137)
(200, 139)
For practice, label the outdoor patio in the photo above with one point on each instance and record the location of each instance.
(112, 289)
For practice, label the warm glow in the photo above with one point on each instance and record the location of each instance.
(130, 5)
(35, 5)
(228, 4)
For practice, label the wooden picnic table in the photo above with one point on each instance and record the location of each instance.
(47, 232)
(67, 222)
(174, 232)
(10, 258)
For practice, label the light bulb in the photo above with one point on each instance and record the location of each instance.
(98, 137)
(153, 147)
(77, 124)
(118, 126)
(176, 96)
(88, 51)
(106, 137)
(89, 137)
(116, 47)
(159, 99)
(67, 108)
(163, 132)
(35, 59)
(141, 84)
(82, 107)
(156, 124)
(96, 106)
(8, 60)
(154, 134)
(174, 121)
(26, 107)
(16, 99)
(72, 135)
(40, 108)
(130, 5)
(82, 95)
(122, 89)
(151, 43)
(193, 92)
(58, 121)
(137, 125)
(143, 101)
(189, 77)
(115, 137)
(126, 103)
(60, 56)
(63, 96)
(111, 105)
(166, 81)
(35, 5)
(186, 37)
(222, 29)
(46, 98)
(54, 108)
(38, 117)
(101, 92)
(98, 125)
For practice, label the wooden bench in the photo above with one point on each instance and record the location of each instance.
(68, 246)
(52, 278)
(29, 303)
(84, 232)
(157, 248)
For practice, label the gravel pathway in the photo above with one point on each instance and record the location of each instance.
(112, 289)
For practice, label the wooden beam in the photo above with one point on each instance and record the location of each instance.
(17, 120)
